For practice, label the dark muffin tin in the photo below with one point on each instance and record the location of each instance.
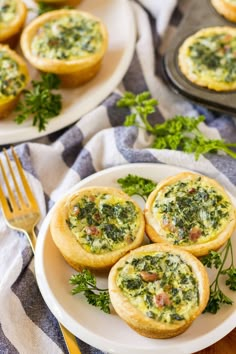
(201, 14)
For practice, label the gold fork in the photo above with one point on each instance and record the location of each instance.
(22, 213)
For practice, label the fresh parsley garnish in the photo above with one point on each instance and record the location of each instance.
(85, 282)
(44, 7)
(40, 101)
(217, 260)
(136, 185)
(178, 133)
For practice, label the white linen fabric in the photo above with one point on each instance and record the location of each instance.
(96, 142)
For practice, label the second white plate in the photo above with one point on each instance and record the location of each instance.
(107, 331)
(118, 17)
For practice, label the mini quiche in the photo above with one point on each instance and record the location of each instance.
(158, 290)
(14, 77)
(227, 8)
(208, 58)
(190, 211)
(69, 43)
(96, 226)
(12, 18)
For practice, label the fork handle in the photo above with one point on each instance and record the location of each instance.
(69, 338)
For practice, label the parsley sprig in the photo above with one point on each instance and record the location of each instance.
(217, 260)
(85, 282)
(44, 7)
(136, 185)
(178, 133)
(40, 101)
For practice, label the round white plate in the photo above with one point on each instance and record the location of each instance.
(107, 331)
(118, 17)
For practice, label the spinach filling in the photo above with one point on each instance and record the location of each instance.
(68, 37)
(215, 54)
(11, 79)
(191, 212)
(170, 296)
(7, 11)
(103, 223)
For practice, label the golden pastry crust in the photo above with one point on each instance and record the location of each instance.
(225, 8)
(72, 242)
(10, 31)
(213, 72)
(73, 71)
(202, 235)
(137, 319)
(8, 102)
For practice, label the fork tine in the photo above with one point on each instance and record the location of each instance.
(28, 191)
(10, 193)
(20, 196)
(5, 205)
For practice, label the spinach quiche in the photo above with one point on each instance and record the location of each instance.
(208, 58)
(69, 43)
(14, 77)
(227, 8)
(96, 226)
(190, 211)
(12, 18)
(158, 290)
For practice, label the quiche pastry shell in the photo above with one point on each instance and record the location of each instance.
(225, 8)
(137, 320)
(157, 233)
(10, 33)
(186, 65)
(71, 72)
(8, 103)
(72, 250)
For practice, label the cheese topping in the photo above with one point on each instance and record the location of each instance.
(191, 211)
(67, 37)
(8, 10)
(214, 57)
(103, 222)
(161, 285)
(11, 79)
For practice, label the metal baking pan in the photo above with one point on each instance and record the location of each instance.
(199, 15)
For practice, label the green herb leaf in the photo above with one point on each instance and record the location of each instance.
(217, 260)
(231, 281)
(212, 259)
(44, 7)
(178, 133)
(136, 185)
(85, 282)
(40, 102)
(217, 298)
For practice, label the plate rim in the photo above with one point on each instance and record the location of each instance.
(93, 339)
(26, 133)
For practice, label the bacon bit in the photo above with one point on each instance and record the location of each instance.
(192, 190)
(91, 198)
(162, 299)
(97, 216)
(75, 210)
(195, 233)
(92, 230)
(147, 276)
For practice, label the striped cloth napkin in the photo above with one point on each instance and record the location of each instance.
(96, 142)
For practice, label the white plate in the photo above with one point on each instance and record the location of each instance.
(108, 332)
(118, 17)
